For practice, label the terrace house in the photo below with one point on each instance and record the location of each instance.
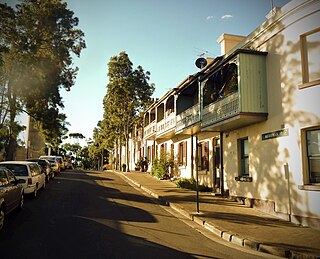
(248, 123)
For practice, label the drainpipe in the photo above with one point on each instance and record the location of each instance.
(197, 174)
(287, 176)
(221, 165)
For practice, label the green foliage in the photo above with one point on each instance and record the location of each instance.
(186, 183)
(128, 93)
(71, 149)
(38, 40)
(160, 166)
(76, 136)
(85, 161)
(191, 184)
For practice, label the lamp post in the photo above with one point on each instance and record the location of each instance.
(200, 63)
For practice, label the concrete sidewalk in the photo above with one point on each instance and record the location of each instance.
(232, 221)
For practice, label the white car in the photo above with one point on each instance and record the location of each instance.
(30, 172)
(55, 163)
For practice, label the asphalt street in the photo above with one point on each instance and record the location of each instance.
(99, 215)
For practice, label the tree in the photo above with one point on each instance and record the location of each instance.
(72, 150)
(128, 94)
(98, 146)
(76, 136)
(85, 160)
(37, 41)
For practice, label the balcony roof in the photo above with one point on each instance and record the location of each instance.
(221, 60)
(238, 121)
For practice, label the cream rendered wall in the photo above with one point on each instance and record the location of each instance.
(289, 107)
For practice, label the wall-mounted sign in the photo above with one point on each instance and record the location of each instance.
(275, 134)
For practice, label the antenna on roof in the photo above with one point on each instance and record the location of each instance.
(201, 55)
(203, 52)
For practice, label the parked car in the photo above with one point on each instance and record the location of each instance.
(45, 167)
(68, 164)
(31, 172)
(54, 161)
(11, 194)
(60, 160)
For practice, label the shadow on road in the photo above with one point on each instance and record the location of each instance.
(77, 218)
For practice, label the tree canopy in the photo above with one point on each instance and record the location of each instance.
(38, 40)
(128, 94)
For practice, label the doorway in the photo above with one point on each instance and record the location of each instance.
(216, 165)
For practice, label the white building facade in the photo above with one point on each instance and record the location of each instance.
(248, 124)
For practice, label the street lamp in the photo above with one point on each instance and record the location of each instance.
(200, 63)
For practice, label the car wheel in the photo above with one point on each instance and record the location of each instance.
(2, 217)
(21, 204)
(35, 192)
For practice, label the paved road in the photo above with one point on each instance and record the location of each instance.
(99, 215)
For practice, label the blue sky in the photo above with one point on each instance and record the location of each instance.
(165, 37)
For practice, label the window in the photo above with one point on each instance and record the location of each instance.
(11, 177)
(18, 170)
(183, 153)
(163, 150)
(34, 169)
(222, 83)
(3, 178)
(203, 155)
(244, 157)
(172, 151)
(310, 56)
(313, 155)
(149, 153)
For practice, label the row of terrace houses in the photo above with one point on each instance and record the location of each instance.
(248, 123)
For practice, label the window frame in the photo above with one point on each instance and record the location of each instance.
(3, 177)
(182, 153)
(304, 61)
(242, 158)
(307, 183)
(203, 155)
(11, 177)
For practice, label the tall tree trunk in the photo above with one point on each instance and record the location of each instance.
(127, 153)
(101, 160)
(120, 153)
(12, 143)
(126, 136)
(116, 156)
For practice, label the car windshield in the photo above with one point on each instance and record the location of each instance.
(17, 170)
(41, 162)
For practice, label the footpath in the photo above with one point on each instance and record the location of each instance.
(232, 221)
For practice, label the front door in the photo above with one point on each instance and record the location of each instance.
(216, 165)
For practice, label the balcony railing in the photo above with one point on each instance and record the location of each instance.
(166, 124)
(150, 129)
(188, 117)
(221, 110)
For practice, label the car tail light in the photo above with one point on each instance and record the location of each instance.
(29, 181)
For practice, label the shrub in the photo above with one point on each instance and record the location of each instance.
(191, 184)
(160, 167)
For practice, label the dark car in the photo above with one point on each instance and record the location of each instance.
(11, 194)
(45, 167)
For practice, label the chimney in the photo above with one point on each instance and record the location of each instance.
(228, 41)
